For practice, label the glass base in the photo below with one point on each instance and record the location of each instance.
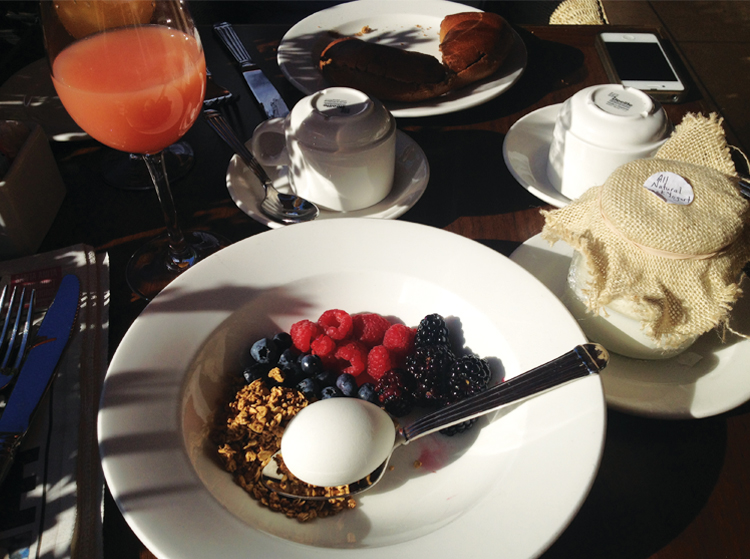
(151, 268)
(127, 171)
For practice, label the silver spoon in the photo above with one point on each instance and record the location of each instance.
(581, 361)
(285, 208)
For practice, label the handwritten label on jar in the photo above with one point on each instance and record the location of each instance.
(671, 188)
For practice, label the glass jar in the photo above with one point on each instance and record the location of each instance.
(618, 326)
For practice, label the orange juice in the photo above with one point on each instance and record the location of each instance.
(135, 89)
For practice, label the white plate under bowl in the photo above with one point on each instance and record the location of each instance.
(708, 379)
(509, 486)
(525, 150)
(409, 182)
(409, 24)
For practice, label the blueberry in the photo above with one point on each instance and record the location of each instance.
(283, 341)
(326, 378)
(265, 351)
(309, 388)
(311, 364)
(287, 359)
(347, 384)
(330, 392)
(367, 392)
(255, 371)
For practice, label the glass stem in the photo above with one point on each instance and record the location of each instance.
(180, 254)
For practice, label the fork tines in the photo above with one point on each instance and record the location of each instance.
(15, 313)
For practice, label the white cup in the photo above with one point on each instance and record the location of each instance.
(339, 146)
(600, 128)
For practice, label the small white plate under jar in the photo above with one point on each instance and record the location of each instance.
(709, 378)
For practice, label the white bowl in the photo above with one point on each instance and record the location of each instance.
(516, 480)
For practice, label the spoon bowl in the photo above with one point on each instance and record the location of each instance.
(583, 360)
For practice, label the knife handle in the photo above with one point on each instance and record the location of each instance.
(9, 443)
(226, 33)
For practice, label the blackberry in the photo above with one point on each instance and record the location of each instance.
(430, 366)
(458, 428)
(468, 375)
(394, 390)
(432, 331)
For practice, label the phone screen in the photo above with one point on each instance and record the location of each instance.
(640, 62)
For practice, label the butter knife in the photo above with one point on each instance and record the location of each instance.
(263, 90)
(38, 370)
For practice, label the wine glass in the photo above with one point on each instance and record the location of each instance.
(132, 74)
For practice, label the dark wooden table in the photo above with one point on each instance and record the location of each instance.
(665, 489)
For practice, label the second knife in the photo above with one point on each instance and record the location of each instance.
(263, 90)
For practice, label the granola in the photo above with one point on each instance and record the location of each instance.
(248, 434)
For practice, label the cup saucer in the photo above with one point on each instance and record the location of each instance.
(708, 379)
(525, 151)
(409, 183)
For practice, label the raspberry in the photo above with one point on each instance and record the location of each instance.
(323, 346)
(356, 354)
(432, 331)
(394, 392)
(379, 361)
(303, 332)
(369, 328)
(399, 339)
(337, 324)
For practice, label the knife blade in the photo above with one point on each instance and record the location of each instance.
(38, 370)
(263, 90)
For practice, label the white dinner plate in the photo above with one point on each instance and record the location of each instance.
(28, 95)
(708, 379)
(525, 150)
(409, 182)
(507, 487)
(408, 24)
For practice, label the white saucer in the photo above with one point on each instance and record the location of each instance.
(708, 379)
(409, 183)
(525, 151)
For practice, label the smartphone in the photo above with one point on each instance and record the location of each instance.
(639, 60)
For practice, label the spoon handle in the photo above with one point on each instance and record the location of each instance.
(583, 360)
(217, 121)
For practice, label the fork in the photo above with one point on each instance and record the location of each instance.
(7, 373)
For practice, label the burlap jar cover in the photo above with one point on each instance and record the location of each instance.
(678, 265)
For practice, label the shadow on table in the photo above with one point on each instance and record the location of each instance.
(654, 479)
(480, 184)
